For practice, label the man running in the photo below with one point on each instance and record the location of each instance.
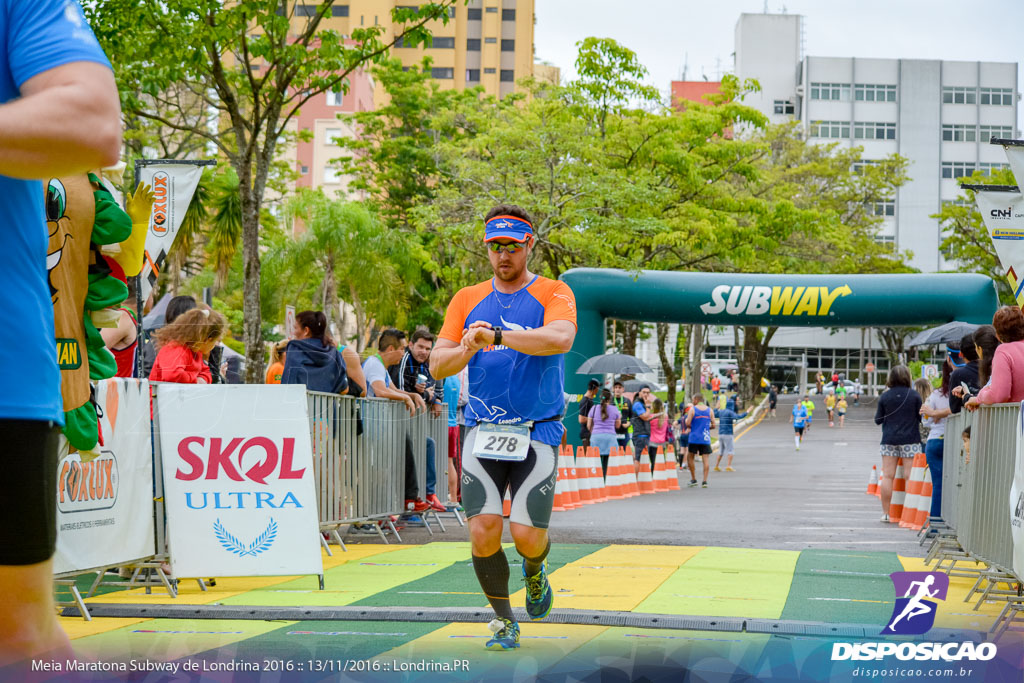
(916, 606)
(512, 332)
(808, 405)
(799, 421)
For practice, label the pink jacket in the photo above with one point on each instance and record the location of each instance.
(1007, 382)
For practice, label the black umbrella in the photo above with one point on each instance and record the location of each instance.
(632, 385)
(613, 363)
(943, 334)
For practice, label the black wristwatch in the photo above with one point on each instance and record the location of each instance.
(497, 336)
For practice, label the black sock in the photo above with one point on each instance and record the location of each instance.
(532, 565)
(492, 573)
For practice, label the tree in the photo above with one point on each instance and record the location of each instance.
(253, 64)
(965, 239)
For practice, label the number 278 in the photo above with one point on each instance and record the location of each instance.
(497, 443)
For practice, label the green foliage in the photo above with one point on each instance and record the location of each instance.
(965, 238)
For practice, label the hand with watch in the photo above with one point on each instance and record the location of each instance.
(480, 334)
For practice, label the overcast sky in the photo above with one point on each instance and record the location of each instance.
(666, 34)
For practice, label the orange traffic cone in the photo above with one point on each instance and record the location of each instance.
(573, 481)
(583, 477)
(924, 505)
(914, 486)
(670, 469)
(559, 504)
(645, 483)
(873, 481)
(899, 494)
(660, 472)
(563, 475)
(596, 479)
(613, 482)
(506, 505)
(629, 487)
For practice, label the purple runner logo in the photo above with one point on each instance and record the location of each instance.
(916, 595)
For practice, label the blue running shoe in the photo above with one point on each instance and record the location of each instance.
(506, 634)
(539, 595)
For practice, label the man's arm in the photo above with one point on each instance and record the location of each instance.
(447, 358)
(380, 390)
(552, 339)
(116, 336)
(68, 120)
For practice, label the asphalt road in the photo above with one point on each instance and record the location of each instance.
(778, 497)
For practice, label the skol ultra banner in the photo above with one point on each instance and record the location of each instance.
(105, 504)
(173, 186)
(238, 480)
(1003, 213)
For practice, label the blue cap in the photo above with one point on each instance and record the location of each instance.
(508, 227)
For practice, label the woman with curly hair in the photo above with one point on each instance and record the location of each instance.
(1006, 379)
(184, 346)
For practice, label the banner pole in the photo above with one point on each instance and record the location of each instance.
(139, 304)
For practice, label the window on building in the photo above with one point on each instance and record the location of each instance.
(443, 43)
(331, 176)
(859, 166)
(331, 135)
(492, 10)
(339, 10)
(783, 107)
(830, 91)
(442, 72)
(451, 12)
(489, 70)
(888, 240)
(508, 15)
(959, 132)
(867, 92)
(334, 99)
(474, 14)
(305, 10)
(959, 95)
(472, 75)
(830, 129)
(988, 167)
(473, 44)
(884, 208)
(304, 169)
(508, 45)
(997, 96)
(864, 130)
(490, 41)
(958, 169)
(508, 76)
(989, 132)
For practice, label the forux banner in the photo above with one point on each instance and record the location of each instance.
(105, 504)
(238, 480)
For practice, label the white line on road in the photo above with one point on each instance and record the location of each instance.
(842, 571)
(909, 540)
(846, 528)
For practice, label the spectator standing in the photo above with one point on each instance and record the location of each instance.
(123, 340)
(586, 403)
(277, 358)
(935, 412)
(966, 372)
(684, 437)
(641, 425)
(452, 387)
(312, 359)
(1005, 383)
(175, 307)
(659, 425)
(716, 385)
(898, 413)
(412, 375)
(623, 405)
(726, 440)
(700, 420)
(60, 116)
(602, 422)
(378, 384)
(184, 346)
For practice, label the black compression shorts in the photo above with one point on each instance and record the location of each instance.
(28, 498)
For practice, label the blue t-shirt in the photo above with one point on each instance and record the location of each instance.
(37, 35)
(506, 386)
(700, 426)
(452, 387)
(799, 415)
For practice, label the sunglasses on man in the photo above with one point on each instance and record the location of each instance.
(509, 247)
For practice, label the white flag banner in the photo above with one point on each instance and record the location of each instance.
(1017, 500)
(1015, 155)
(105, 505)
(238, 480)
(1003, 213)
(173, 186)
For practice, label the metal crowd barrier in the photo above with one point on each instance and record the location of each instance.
(975, 528)
(359, 460)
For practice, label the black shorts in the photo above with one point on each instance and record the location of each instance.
(531, 484)
(700, 448)
(799, 430)
(28, 499)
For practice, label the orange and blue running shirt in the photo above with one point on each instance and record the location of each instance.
(506, 386)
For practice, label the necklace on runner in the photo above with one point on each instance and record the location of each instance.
(494, 290)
